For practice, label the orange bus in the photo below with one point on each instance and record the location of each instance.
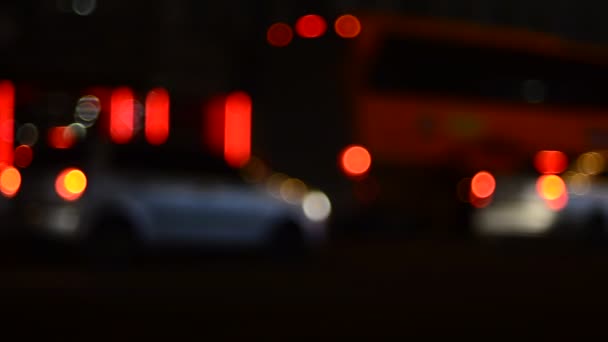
(436, 101)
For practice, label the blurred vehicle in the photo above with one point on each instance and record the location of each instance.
(437, 101)
(114, 199)
(572, 205)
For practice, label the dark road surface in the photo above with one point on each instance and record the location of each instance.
(356, 288)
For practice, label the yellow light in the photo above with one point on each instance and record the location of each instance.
(71, 184)
(550, 187)
(591, 163)
(293, 190)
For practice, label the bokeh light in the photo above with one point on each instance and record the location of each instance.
(311, 26)
(279, 35)
(237, 129)
(10, 181)
(78, 130)
(27, 134)
(293, 190)
(355, 160)
(550, 187)
(61, 137)
(274, 182)
(550, 162)
(122, 115)
(157, 116)
(71, 184)
(347, 26)
(316, 206)
(578, 183)
(559, 203)
(23, 156)
(483, 185)
(591, 163)
(87, 110)
(104, 94)
(255, 171)
(7, 123)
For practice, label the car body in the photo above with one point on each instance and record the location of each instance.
(517, 210)
(162, 206)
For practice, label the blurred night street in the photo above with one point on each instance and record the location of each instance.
(316, 169)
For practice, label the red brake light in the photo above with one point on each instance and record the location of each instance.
(355, 160)
(157, 116)
(237, 129)
(311, 26)
(483, 185)
(550, 162)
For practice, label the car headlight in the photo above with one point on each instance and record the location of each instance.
(316, 206)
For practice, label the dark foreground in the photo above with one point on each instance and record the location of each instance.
(354, 288)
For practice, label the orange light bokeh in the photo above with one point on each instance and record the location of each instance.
(483, 185)
(157, 116)
(237, 129)
(71, 184)
(347, 26)
(10, 181)
(550, 187)
(279, 35)
(550, 162)
(23, 156)
(356, 160)
(311, 26)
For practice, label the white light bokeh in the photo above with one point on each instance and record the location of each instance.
(87, 110)
(78, 130)
(316, 206)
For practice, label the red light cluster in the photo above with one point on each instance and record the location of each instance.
(311, 26)
(123, 115)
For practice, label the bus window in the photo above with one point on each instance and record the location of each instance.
(463, 69)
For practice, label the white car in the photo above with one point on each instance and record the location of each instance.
(109, 209)
(518, 209)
